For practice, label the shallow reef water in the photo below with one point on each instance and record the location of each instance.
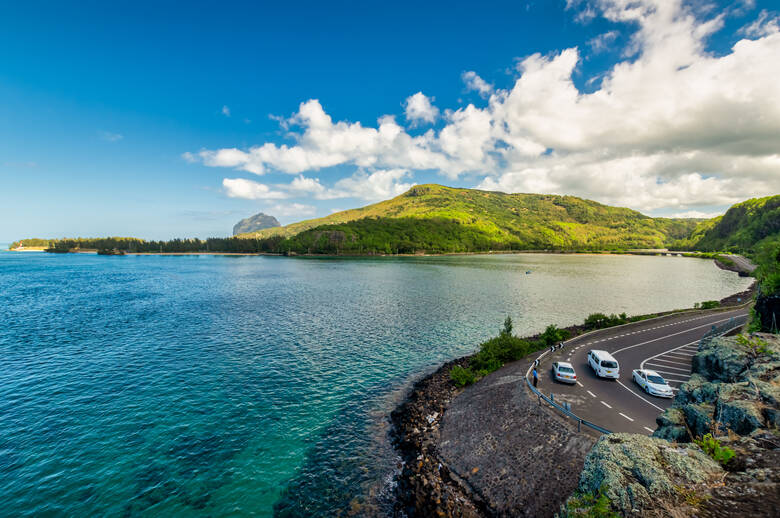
(253, 386)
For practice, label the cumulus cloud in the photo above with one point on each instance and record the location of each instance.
(476, 83)
(291, 210)
(419, 109)
(249, 190)
(671, 125)
(378, 185)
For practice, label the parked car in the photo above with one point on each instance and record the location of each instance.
(603, 364)
(564, 371)
(652, 383)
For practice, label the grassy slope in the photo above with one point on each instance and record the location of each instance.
(525, 220)
(745, 227)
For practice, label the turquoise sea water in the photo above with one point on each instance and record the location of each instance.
(248, 386)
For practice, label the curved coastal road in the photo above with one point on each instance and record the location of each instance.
(664, 344)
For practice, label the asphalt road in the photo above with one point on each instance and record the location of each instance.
(665, 344)
(744, 264)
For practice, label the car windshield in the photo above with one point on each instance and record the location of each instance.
(565, 369)
(656, 379)
(609, 364)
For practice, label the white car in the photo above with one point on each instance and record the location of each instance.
(603, 364)
(563, 371)
(652, 383)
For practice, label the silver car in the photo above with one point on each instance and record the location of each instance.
(564, 372)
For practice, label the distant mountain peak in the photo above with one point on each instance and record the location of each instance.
(255, 223)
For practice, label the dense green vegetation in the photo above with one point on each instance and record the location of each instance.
(750, 228)
(32, 242)
(132, 244)
(434, 218)
(493, 354)
(744, 228)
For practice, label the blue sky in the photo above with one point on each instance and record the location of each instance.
(141, 118)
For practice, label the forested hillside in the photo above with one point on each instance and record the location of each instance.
(744, 228)
(434, 218)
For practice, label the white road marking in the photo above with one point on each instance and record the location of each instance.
(668, 367)
(640, 397)
(580, 384)
(591, 393)
(676, 380)
(679, 356)
(624, 415)
(605, 404)
(653, 358)
(660, 359)
(648, 429)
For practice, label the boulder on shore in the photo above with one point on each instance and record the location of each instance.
(642, 473)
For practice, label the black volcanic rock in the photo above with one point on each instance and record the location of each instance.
(254, 223)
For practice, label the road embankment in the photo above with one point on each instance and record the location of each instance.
(716, 452)
(489, 449)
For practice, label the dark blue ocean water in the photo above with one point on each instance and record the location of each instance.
(236, 386)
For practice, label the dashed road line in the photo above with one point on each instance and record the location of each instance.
(624, 415)
(648, 429)
(591, 393)
(580, 384)
(669, 336)
(605, 404)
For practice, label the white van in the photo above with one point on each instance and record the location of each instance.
(603, 364)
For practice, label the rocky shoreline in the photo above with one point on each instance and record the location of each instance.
(732, 405)
(428, 485)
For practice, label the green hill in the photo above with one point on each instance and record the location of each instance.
(745, 227)
(433, 218)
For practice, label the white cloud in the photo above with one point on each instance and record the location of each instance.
(694, 214)
(476, 83)
(671, 127)
(765, 25)
(249, 190)
(378, 185)
(312, 186)
(291, 210)
(225, 111)
(110, 137)
(418, 109)
(602, 42)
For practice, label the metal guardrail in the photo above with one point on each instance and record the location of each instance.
(715, 332)
(565, 411)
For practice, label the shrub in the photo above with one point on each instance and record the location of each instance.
(711, 446)
(756, 345)
(709, 304)
(507, 329)
(462, 376)
(600, 320)
(553, 335)
(589, 505)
